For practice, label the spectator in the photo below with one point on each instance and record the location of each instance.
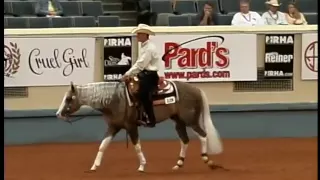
(208, 16)
(246, 17)
(48, 8)
(273, 16)
(294, 16)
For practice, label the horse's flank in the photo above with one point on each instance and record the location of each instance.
(98, 95)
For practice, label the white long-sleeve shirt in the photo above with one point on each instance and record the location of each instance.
(250, 19)
(278, 18)
(148, 59)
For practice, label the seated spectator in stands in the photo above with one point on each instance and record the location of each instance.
(246, 17)
(294, 16)
(273, 16)
(48, 8)
(207, 17)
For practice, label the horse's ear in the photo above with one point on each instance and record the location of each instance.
(73, 89)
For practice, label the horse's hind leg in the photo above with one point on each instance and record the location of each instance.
(204, 144)
(112, 131)
(184, 140)
(134, 136)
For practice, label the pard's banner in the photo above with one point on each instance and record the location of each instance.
(309, 66)
(117, 57)
(208, 58)
(48, 61)
(278, 62)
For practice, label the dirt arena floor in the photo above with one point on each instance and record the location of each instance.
(258, 159)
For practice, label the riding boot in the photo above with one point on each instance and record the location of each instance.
(151, 116)
(148, 107)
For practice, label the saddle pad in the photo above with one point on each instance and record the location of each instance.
(166, 95)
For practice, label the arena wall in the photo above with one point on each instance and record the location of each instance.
(236, 121)
(236, 114)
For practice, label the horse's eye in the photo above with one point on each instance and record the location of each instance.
(69, 99)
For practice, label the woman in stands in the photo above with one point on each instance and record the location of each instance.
(294, 16)
(208, 17)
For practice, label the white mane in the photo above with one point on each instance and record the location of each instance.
(96, 95)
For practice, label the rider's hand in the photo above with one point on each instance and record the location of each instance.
(125, 78)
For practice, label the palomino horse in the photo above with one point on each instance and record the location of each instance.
(186, 105)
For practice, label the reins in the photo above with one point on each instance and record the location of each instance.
(70, 121)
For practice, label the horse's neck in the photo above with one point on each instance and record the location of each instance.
(97, 95)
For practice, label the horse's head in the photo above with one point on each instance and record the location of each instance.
(70, 103)
(133, 84)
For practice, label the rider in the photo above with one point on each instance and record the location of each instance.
(148, 67)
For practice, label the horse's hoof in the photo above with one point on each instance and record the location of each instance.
(176, 167)
(141, 169)
(90, 171)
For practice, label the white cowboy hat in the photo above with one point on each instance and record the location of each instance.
(273, 3)
(143, 28)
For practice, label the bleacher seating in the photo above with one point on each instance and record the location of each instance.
(312, 18)
(85, 21)
(16, 22)
(161, 6)
(92, 8)
(179, 20)
(39, 22)
(225, 19)
(185, 6)
(71, 8)
(308, 6)
(108, 21)
(61, 22)
(89, 13)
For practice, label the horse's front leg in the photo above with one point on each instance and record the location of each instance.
(134, 136)
(111, 132)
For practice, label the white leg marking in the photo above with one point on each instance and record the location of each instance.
(203, 142)
(204, 149)
(182, 154)
(104, 144)
(142, 159)
(58, 113)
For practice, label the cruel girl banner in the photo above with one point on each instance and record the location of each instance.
(48, 61)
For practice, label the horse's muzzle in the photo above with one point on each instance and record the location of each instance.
(60, 116)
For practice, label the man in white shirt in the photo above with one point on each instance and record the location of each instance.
(148, 65)
(273, 16)
(246, 17)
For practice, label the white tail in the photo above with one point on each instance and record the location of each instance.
(213, 138)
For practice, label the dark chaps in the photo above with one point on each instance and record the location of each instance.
(148, 83)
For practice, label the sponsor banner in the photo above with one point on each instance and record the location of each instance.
(278, 62)
(117, 57)
(48, 61)
(208, 58)
(309, 66)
